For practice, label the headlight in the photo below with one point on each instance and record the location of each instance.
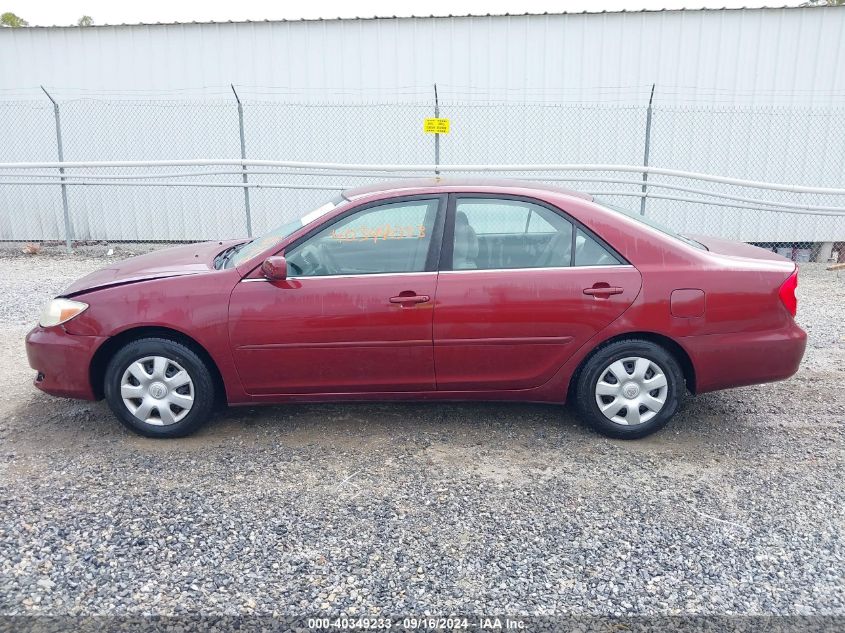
(60, 311)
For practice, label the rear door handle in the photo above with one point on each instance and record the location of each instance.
(603, 290)
(410, 298)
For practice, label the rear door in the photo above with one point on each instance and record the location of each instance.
(521, 287)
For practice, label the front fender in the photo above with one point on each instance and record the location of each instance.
(196, 306)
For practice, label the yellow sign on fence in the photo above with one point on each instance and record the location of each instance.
(436, 126)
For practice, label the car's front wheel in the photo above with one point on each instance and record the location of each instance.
(629, 389)
(159, 388)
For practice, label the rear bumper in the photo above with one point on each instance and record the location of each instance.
(62, 361)
(723, 361)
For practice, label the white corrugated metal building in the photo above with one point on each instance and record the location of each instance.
(496, 73)
(786, 56)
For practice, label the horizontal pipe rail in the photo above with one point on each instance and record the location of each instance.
(657, 196)
(92, 179)
(762, 206)
(389, 168)
(164, 183)
(216, 172)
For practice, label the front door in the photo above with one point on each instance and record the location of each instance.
(355, 314)
(521, 289)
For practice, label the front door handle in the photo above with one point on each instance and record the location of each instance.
(410, 298)
(603, 290)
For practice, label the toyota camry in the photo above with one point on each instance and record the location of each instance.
(427, 290)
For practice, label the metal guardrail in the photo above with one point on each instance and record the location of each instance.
(342, 167)
(82, 174)
(410, 171)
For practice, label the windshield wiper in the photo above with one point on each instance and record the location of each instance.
(224, 256)
(229, 254)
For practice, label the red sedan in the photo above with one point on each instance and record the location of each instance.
(427, 290)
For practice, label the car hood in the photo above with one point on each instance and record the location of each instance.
(191, 259)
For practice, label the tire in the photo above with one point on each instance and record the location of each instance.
(645, 364)
(174, 386)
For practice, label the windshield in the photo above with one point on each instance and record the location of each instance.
(649, 222)
(246, 251)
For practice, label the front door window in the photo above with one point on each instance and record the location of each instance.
(388, 238)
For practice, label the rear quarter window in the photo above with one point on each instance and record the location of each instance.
(652, 224)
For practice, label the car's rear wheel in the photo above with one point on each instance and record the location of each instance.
(159, 388)
(629, 389)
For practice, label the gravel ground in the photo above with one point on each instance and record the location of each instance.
(736, 508)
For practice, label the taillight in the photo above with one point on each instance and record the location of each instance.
(787, 293)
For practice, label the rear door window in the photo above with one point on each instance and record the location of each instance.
(496, 233)
(588, 252)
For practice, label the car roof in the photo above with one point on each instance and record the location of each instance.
(438, 184)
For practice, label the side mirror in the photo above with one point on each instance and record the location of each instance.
(275, 268)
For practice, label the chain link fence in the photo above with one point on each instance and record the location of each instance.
(180, 203)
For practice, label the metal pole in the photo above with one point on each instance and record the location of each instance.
(243, 156)
(436, 136)
(647, 149)
(68, 234)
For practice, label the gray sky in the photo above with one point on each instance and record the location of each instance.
(63, 12)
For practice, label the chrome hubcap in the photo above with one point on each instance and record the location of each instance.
(631, 391)
(157, 390)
